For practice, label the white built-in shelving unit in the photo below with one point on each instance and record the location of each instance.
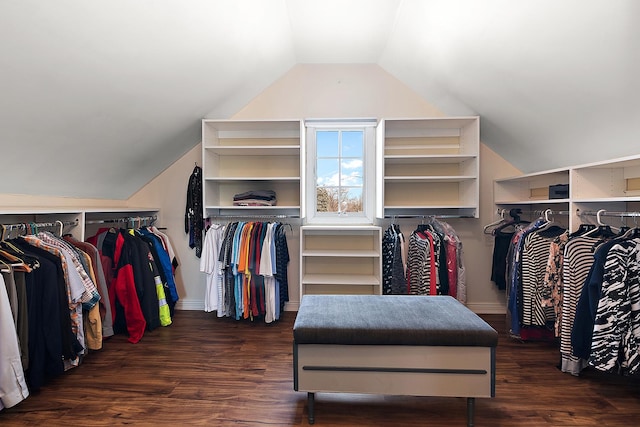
(340, 259)
(429, 166)
(610, 187)
(424, 167)
(240, 156)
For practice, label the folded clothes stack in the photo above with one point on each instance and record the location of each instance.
(255, 198)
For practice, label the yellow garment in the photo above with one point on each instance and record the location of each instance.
(165, 314)
(163, 306)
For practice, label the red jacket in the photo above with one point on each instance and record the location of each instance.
(123, 288)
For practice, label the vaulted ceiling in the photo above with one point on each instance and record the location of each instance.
(98, 97)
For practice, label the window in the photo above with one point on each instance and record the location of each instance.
(340, 171)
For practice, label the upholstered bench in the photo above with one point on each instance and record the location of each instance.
(394, 345)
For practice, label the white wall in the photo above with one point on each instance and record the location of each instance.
(335, 91)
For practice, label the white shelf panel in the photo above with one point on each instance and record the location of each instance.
(253, 178)
(429, 207)
(429, 126)
(355, 228)
(36, 210)
(255, 208)
(609, 199)
(339, 253)
(458, 178)
(545, 176)
(425, 159)
(255, 150)
(531, 201)
(340, 279)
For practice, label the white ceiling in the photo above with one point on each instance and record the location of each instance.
(98, 97)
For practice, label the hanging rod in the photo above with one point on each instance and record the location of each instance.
(230, 217)
(152, 219)
(536, 212)
(24, 225)
(550, 212)
(603, 212)
(444, 216)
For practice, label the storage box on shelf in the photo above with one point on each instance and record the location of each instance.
(340, 260)
(241, 156)
(430, 166)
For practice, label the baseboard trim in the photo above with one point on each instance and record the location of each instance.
(487, 308)
(198, 305)
(292, 306)
(479, 308)
(194, 304)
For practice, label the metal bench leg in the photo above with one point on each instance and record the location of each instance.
(310, 405)
(470, 410)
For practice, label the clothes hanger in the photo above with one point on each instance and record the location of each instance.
(550, 228)
(487, 228)
(631, 233)
(602, 230)
(17, 261)
(6, 268)
(582, 229)
(515, 222)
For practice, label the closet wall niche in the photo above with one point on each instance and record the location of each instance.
(424, 167)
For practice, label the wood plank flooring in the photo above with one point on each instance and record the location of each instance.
(220, 372)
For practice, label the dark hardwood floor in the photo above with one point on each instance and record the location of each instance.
(220, 372)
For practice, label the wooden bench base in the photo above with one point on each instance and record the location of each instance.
(395, 370)
(382, 361)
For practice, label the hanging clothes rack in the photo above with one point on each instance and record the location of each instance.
(543, 212)
(128, 219)
(444, 216)
(603, 212)
(258, 217)
(26, 225)
(253, 218)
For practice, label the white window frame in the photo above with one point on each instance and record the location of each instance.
(367, 216)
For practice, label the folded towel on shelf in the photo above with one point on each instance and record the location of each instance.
(255, 198)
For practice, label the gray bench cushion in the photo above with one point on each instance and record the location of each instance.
(390, 320)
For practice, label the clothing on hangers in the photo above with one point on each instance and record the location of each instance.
(246, 266)
(434, 261)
